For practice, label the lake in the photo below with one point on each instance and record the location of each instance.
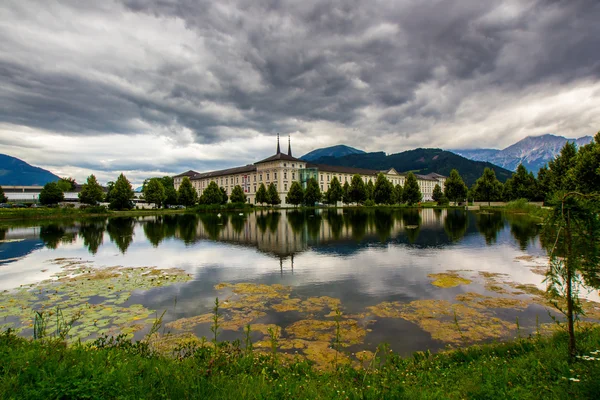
(416, 279)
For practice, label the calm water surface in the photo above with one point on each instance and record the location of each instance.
(361, 258)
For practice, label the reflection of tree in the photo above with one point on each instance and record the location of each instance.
(524, 229)
(358, 222)
(187, 227)
(438, 213)
(313, 225)
(456, 224)
(489, 224)
(92, 233)
(120, 231)
(383, 223)
(155, 231)
(3, 233)
(238, 222)
(336, 223)
(262, 221)
(273, 221)
(296, 220)
(51, 235)
(411, 219)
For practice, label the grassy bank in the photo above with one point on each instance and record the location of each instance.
(524, 368)
(65, 213)
(521, 206)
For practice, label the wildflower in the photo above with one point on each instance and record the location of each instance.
(574, 379)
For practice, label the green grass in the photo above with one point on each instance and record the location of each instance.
(521, 206)
(530, 368)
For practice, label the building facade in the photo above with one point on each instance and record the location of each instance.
(282, 169)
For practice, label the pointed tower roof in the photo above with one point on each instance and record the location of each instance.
(289, 145)
(278, 149)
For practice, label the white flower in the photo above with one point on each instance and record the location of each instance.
(574, 379)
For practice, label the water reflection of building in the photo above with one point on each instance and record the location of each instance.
(282, 169)
(288, 232)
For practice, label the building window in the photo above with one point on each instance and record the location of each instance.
(321, 181)
(285, 187)
(293, 175)
(237, 179)
(260, 177)
(321, 188)
(293, 166)
(255, 178)
(267, 176)
(284, 164)
(327, 177)
(274, 175)
(284, 175)
(254, 188)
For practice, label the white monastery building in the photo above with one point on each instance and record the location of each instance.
(282, 169)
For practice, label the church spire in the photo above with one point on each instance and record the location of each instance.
(289, 145)
(278, 150)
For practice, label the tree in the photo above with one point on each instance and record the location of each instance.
(383, 191)
(51, 194)
(438, 195)
(272, 195)
(521, 185)
(369, 189)
(224, 196)
(3, 198)
(358, 191)
(312, 194)
(238, 195)
(121, 194)
(412, 192)
(170, 192)
(487, 187)
(154, 192)
(398, 191)
(91, 191)
(346, 193)
(586, 171)
(211, 195)
(110, 185)
(66, 184)
(261, 194)
(335, 192)
(295, 195)
(454, 188)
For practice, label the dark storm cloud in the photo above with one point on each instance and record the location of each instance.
(238, 68)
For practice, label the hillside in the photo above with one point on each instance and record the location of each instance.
(533, 152)
(333, 151)
(421, 161)
(14, 171)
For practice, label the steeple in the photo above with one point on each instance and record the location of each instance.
(278, 150)
(289, 145)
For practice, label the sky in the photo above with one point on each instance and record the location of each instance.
(155, 87)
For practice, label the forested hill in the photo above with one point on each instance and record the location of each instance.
(14, 171)
(420, 161)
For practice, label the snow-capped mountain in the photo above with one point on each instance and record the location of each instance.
(533, 152)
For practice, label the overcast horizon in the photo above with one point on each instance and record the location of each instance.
(156, 87)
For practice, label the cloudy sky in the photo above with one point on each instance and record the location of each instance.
(154, 87)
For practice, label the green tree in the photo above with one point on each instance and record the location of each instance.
(369, 189)
(438, 195)
(521, 185)
(358, 191)
(170, 192)
(211, 195)
(346, 193)
(383, 191)
(335, 192)
(238, 195)
(91, 191)
(110, 185)
(187, 195)
(487, 187)
(224, 197)
(586, 171)
(51, 194)
(66, 184)
(121, 194)
(412, 192)
(561, 169)
(295, 195)
(261, 194)
(398, 194)
(312, 194)
(154, 192)
(3, 198)
(272, 195)
(454, 188)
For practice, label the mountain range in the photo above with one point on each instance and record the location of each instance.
(533, 152)
(420, 161)
(333, 151)
(14, 171)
